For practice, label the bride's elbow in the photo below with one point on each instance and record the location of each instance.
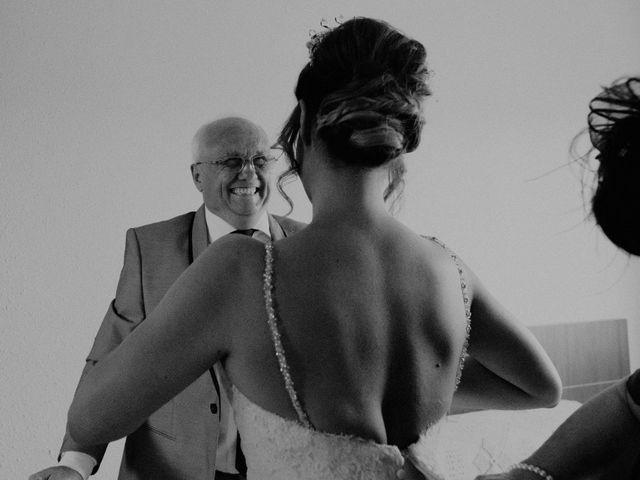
(549, 392)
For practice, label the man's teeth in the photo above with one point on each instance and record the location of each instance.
(244, 191)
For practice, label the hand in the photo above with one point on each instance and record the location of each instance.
(58, 472)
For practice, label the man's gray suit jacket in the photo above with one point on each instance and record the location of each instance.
(178, 441)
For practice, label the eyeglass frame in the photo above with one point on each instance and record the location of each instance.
(245, 160)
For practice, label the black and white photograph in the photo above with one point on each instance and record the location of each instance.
(320, 240)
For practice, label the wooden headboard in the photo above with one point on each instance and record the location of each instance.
(590, 356)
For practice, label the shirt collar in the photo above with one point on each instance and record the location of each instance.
(217, 227)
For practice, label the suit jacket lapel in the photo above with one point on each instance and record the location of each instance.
(199, 234)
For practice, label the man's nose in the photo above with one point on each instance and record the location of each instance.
(248, 170)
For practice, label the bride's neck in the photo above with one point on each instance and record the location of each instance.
(348, 194)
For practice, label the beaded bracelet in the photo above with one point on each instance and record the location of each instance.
(531, 468)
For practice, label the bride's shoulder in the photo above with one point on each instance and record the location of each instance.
(232, 253)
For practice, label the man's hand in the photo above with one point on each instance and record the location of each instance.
(58, 472)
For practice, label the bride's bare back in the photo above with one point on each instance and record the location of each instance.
(373, 327)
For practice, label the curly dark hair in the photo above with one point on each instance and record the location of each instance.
(614, 130)
(363, 89)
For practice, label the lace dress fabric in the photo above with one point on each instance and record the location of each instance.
(277, 448)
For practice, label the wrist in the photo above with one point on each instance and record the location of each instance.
(78, 461)
(536, 471)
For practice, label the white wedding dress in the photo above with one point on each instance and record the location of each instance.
(278, 448)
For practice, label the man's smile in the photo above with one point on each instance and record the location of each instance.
(244, 191)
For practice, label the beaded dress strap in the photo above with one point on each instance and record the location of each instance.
(467, 305)
(272, 320)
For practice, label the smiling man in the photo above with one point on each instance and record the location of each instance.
(194, 435)
(232, 167)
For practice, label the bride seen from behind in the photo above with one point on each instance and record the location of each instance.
(345, 343)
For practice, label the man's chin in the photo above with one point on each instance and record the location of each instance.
(245, 208)
(244, 202)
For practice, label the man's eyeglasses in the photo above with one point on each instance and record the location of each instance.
(237, 164)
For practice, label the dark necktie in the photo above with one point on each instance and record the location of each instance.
(248, 232)
(241, 463)
(255, 233)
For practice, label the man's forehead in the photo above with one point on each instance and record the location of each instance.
(238, 145)
(228, 137)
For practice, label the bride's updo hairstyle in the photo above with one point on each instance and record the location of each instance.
(363, 89)
(614, 130)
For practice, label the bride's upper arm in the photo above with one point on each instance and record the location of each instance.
(178, 341)
(504, 345)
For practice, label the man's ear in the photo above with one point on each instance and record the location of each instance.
(195, 175)
(305, 128)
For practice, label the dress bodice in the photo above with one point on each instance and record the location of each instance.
(277, 448)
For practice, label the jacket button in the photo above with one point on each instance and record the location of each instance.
(214, 408)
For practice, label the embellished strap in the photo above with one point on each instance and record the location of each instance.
(467, 306)
(272, 320)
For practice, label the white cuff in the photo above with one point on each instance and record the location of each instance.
(80, 462)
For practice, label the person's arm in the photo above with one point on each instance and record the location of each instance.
(595, 438)
(506, 368)
(186, 334)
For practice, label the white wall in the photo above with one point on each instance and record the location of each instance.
(99, 100)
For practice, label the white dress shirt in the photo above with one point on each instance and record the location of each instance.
(226, 451)
(219, 228)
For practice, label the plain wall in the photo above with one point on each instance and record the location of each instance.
(99, 101)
